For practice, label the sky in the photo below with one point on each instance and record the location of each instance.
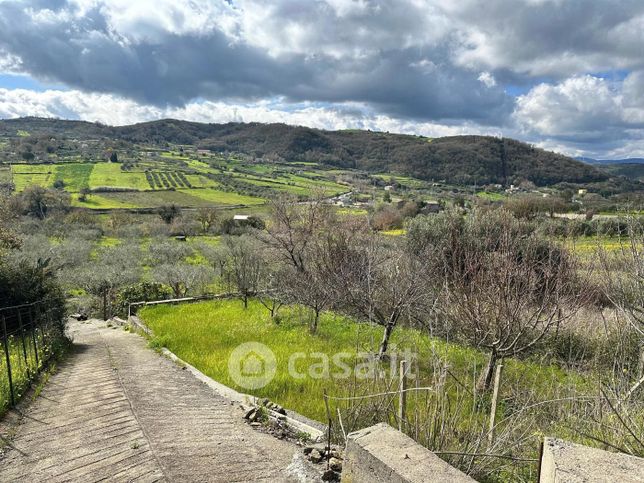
(565, 75)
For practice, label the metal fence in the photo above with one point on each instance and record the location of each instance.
(28, 334)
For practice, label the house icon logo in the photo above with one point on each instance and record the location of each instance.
(252, 365)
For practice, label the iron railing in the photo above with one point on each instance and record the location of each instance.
(28, 334)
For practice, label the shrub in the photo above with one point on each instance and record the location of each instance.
(143, 291)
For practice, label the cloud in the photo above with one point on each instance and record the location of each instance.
(114, 110)
(554, 38)
(587, 113)
(403, 65)
(172, 52)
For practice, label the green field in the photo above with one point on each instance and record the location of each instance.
(102, 202)
(486, 195)
(29, 174)
(200, 181)
(222, 197)
(588, 245)
(110, 175)
(75, 176)
(204, 335)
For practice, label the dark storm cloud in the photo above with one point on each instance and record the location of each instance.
(86, 52)
(552, 37)
(573, 69)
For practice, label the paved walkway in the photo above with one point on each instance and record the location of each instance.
(117, 410)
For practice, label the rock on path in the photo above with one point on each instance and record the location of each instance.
(117, 410)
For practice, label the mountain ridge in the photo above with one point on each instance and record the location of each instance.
(463, 160)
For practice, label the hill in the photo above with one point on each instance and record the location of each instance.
(604, 162)
(463, 160)
(632, 171)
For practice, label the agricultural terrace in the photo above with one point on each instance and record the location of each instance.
(172, 178)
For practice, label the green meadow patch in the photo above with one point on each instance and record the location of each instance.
(204, 334)
(75, 176)
(110, 175)
(33, 174)
(101, 202)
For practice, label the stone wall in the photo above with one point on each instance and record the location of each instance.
(564, 462)
(381, 454)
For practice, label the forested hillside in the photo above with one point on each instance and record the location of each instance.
(457, 160)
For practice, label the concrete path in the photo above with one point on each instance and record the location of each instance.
(117, 410)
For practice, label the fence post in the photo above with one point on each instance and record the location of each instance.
(24, 346)
(495, 400)
(328, 435)
(5, 343)
(33, 336)
(402, 396)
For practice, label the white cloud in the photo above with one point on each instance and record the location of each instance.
(114, 110)
(577, 106)
(586, 115)
(487, 79)
(424, 66)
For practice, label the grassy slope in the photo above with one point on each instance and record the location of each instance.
(204, 334)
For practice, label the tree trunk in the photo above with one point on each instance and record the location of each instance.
(245, 300)
(316, 319)
(389, 328)
(485, 381)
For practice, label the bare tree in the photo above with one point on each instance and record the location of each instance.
(501, 287)
(293, 226)
(371, 278)
(273, 293)
(115, 267)
(207, 217)
(309, 289)
(623, 274)
(245, 265)
(182, 277)
(623, 284)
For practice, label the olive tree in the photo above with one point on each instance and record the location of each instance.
(183, 278)
(207, 217)
(500, 286)
(292, 228)
(370, 278)
(166, 251)
(113, 268)
(245, 265)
